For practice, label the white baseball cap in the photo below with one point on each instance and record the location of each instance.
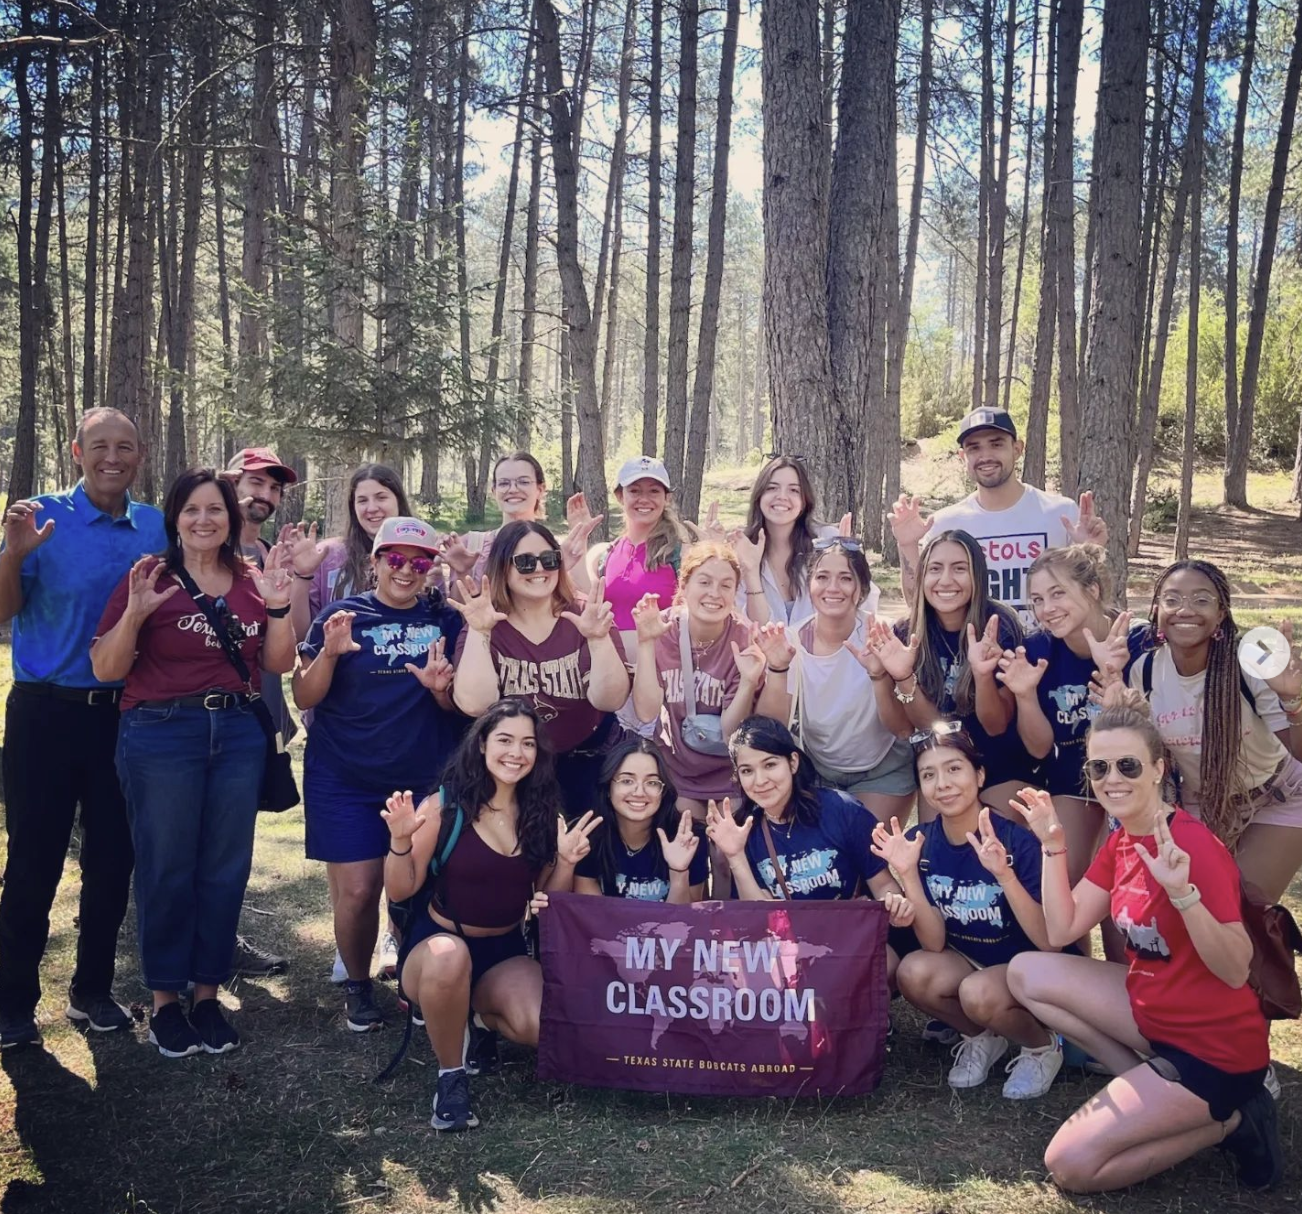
(404, 532)
(642, 467)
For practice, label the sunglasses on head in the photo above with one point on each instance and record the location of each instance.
(1128, 766)
(939, 731)
(838, 541)
(527, 562)
(420, 565)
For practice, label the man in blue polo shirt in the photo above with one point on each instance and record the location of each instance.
(63, 555)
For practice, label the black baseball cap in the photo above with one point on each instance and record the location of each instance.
(986, 419)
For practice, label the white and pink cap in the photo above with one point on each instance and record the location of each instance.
(406, 533)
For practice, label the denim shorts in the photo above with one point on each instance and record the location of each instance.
(893, 776)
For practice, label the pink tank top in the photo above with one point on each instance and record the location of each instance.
(627, 580)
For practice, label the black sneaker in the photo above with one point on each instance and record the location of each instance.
(214, 1030)
(99, 1012)
(250, 961)
(359, 1005)
(452, 1102)
(18, 1031)
(1255, 1143)
(481, 1050)
(172, 1032)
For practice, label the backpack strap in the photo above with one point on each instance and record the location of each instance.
(439, 862)
(1145, 661)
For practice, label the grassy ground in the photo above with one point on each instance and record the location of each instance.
(293, 1123)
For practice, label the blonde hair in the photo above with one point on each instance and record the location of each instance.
(1084, 564)
(698, 555)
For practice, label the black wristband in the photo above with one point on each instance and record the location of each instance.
(778, 669)
(277, 613)
(305, 577)
(401, 853)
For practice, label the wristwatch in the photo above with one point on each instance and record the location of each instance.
(1193, 896)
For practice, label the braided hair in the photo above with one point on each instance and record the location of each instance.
(1220, 772)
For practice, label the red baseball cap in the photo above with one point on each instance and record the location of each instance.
(262, 459)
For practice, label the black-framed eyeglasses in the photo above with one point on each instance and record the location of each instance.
(849, 543)
(1128, 766)
(941, 729)
(527, 562)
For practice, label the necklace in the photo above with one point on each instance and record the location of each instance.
(633, 851)
(778, 822)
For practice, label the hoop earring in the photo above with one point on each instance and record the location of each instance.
(1161, 637)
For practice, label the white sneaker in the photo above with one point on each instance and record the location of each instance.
(388, 957)
(1032, 1072)
(973, 1058)
(339, 974)
(1271, 1083)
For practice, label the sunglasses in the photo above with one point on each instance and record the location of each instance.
(1128, 766)
(420, 565)
(527, 562)
(941, 729)
(838, 541)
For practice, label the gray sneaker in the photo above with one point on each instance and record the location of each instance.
(250, 961)
(359, 1005)
(102, 1013)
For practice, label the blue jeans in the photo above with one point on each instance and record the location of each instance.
(191, 779)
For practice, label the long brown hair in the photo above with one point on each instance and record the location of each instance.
(357, 574)
(228, 555)
(1220, 772)
(805, 530)
(502, 554)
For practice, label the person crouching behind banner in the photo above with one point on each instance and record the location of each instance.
(792, 838)
(1179, 1025)
(488, 837)
(646, 848)
(974, 883)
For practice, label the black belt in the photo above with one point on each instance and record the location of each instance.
(213, 701)
(95, 696)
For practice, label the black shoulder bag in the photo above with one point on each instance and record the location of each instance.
(279, 790)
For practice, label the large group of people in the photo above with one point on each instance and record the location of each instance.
(688, 711)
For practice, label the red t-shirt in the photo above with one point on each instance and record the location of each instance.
(1175, 998)
(552, 676)
(177, 653)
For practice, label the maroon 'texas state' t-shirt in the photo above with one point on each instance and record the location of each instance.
(177, 653)
(1175, 998)
(552, 676)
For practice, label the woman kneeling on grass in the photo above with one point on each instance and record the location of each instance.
(489, 836)
(820, 837)
(974, 883)
(1178, 1024)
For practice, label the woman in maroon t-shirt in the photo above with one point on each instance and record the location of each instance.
(1177, 1024)
(527, 638)
(191, 749)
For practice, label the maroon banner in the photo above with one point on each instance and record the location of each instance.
(717, 998)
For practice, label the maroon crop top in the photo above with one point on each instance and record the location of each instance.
(482, 887)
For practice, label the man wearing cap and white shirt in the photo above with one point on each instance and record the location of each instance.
(1013, 522)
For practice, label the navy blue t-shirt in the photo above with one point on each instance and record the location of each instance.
(1003, 755)
(979, 923)
(1064, 700)
(635, 875)
(377, 727)
(825, 861)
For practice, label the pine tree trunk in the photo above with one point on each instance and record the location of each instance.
(1112, 360)
(89, 373)
(259, 201)
(1024, 222)
(985, 191)
(1232, 233)
(680, 271)
(529, 298)
(651, 335)
(22, 476)
(707, 341)
(999, 216)
(1062, 210)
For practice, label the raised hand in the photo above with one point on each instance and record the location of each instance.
(1091, 529)
(908, 523)
(1017, 674)
(679, 850)
(712, 529)
(403, 819)
(896, 848)
(476, 607)
(984, 653)
(1170, 864)
(651, 625)
(576, 510)
(1288, 683)
(774, 643)
(989, 849)
(274, 580)
(846, 526)
(750, 661)
(305, 553)
(1111, 653)
(143, 595)
(572, 841)
(898, 659)
(597, 617)
(435, 673)
(750, 553)
(574, 547)
(899, 909)
(1037, 808)
(459, 558)
(339, 635)
(723, 830)
(21, 535)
